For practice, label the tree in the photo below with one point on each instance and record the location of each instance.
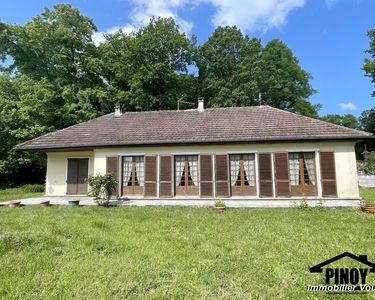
(148, 69)
(367, 120)
(235, 70)
(347, 120)
(369, 65)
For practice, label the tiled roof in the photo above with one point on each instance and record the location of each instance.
(213, 125)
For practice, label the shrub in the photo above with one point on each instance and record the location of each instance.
(33, 188)
(220, 203)
(102, 187)
(367, 166)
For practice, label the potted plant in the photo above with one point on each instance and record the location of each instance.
(15, 203)
(220, 205)
(73, 203)
(102, 188)
(44, 203)
(368, 208)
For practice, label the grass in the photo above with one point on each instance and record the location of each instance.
(25, 191)
(368, 195)
(174, 253)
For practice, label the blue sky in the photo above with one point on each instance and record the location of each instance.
(327, 36)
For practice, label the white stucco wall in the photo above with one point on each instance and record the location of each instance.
(57, 167)
(346, 172)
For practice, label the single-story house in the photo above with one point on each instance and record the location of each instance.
(238, 153)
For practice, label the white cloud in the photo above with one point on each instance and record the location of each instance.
(348, 106)
(248, 15)
(254, 15)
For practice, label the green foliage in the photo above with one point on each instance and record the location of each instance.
(220, 203)
(347, 120)
(174, 253)
(369, 65)
(367, 166)
(102, 187)
(235, 70)
(22, 192)
(367, 120)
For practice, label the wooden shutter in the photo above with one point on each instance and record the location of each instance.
(265, 175)
(282, 174)
(165, 177)
(328, 174)
(221, 175)
(83, 171)
(206, 181)
(112, 167)
(150, 176)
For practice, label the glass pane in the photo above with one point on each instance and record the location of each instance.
(235, 175)
(294, 169)
(249, 169)
(180, 170)
(138, 170)
(192, 161)
(308, 168)
(127, 170)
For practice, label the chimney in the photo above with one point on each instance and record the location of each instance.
(118, 111)
(200, 104)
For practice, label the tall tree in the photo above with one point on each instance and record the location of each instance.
(367, 120)
(148, 69)
(235, 70)
(347, 120)
(369, 65)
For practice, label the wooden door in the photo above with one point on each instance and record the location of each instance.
(186, 175)
(77, 176)
(242, 171)
(132, 175)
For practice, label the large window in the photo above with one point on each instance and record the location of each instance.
(186, 174)
(132, 175)
(242, 174)
(302, 173)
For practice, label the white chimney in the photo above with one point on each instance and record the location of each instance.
(118, 111)
(200, 104)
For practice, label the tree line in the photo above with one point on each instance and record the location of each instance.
(53, 75)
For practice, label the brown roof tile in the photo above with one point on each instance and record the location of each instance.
(213, 125)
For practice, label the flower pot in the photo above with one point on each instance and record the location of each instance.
(73, 203)
(368, 209)
(44, 203)
(14, 204)
(220, 208)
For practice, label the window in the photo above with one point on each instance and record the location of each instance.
(186, 174)
(242, 174)
(132, 175)
(302, 173)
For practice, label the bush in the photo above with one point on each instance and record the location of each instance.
(220, 203)
(102, 187)
(33, 188)
(367, 166)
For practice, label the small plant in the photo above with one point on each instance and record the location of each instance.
(303, 204)
(102, 187)
(320, 204)
(220, 203)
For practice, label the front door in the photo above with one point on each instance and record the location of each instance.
(78, 169)
(242, 174)
(302, 174)
(186, 175)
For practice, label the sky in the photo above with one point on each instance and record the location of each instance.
(327, 36)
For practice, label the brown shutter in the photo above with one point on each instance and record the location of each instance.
(282, 174)
(265, 175)
(150, 176)
(328, 174)
(112, 167)
(221, 175)
(206, 181)
(165, 177)
(83, 170)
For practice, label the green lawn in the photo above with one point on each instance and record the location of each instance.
(26, 191)
(174, 253)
